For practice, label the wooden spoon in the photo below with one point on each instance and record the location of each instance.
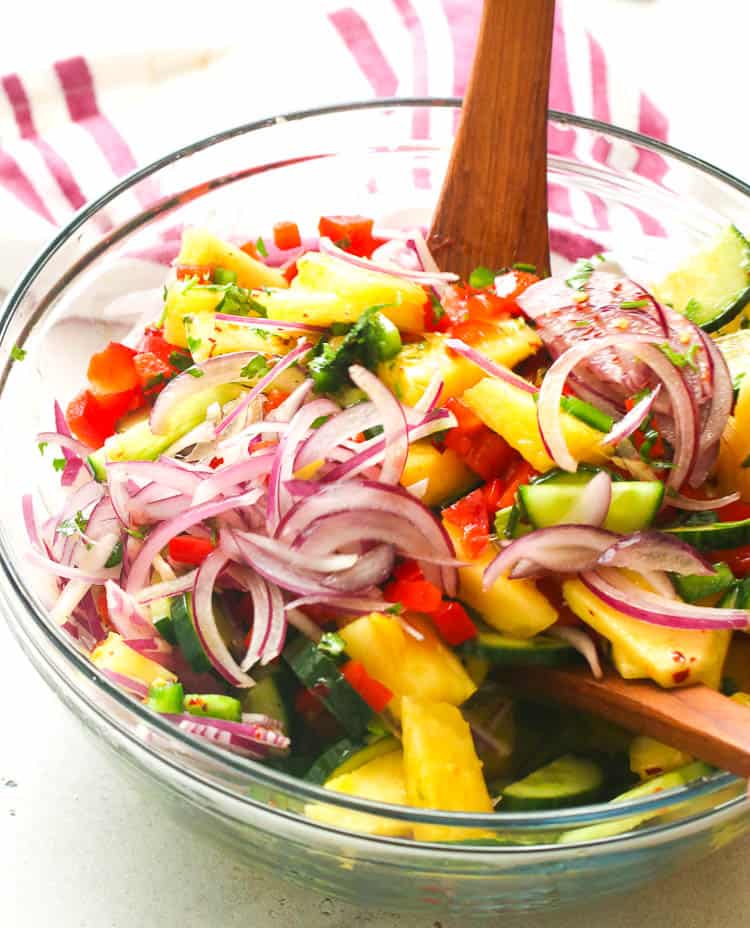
(696, 719)
(492, 208)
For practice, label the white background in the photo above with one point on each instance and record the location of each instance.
(78, 847)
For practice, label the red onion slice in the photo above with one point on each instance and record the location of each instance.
(232, 475)
(429, 399)
(67, 443)
(66, 570)
(632, 421)
(395, 429)
(180, 584)
(165, 473)
(328, 563)
(125, 614)
(73, 462)
(346, 423)
(371, 569)
(136, 687)
(274, 644)
(302, 623)
(205, 621)
(285, 411)
(701, 505)
(279, 367)
(29, 518)
(582, 642)
(488, 366)
(275, 569)
(646, 550)
(619, 593)
(327, 247)
(92, 562)
(250, 740)
(593, 504)
(341, 605)
(271, 325)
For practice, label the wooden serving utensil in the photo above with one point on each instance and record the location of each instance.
(696, 719)
(492, 208)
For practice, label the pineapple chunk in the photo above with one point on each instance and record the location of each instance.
(650, 758)
(210, 338)
(735, 447)
(382, 780)
(442, 768)
(669, 656)
(201, 247)
(512, 414)
(514, 607)
(408, 667)
(186, 302)
(411, 371)
(334, 291)
(446, 474)
(113, 654)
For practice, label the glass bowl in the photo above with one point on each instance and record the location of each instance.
(609, 190)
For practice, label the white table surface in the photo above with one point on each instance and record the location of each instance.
(78, 846)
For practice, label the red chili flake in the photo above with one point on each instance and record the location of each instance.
(215, 462)
(692, 660)
(680, 676)
(652, 771)
(678, 657)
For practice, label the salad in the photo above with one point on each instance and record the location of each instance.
(315, 510)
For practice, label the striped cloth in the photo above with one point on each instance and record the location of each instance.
(69, 130)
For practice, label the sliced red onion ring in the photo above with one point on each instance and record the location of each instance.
(162, 534)
(582, 642)
(167, 588)
(74, 451)
(277, 632)
(619, 593)
(73, 461)
(165, 472)
(29, 518)
(130, 684)
(417, 241)
(279, 367)
(488, 366)
(302, 623)
(393, 420)
(91, 563)
(65, 570)
(125, 614)
(231, 475)
(560, 549)
(593, 504)
(346, 423)
(329, 563)
(225, 368)
(421, 277)
(271, 325)
(275, 569)
(341, 605)
(645, 550)
(429, 399)
(259, 592)
(371, 568)
(632, 420)
(284, 411)
(701, 505)
(254, 741)
(205, 621)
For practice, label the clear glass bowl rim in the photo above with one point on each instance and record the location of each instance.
(255, 772)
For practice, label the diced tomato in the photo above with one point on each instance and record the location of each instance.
(472, 332)
(153, 342)
(408, 570)
(100, 601)
(469, 514)
(112, 370)
(250, 249)
(92, 417)
(187, 549)
(153, 373)
(520, 473)
(286, 235)
(289, 271)
(657, 449)
(734, 512)
(467, 307)
(375, 694)
(493, 493)
(414, 595)
(203, 272)
(453, 623)
(274, 398)
(352, 233)
(435, 320)
(481, 449)
(468, 420)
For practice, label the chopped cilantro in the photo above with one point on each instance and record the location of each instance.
(395, 609)
(256, 367)
(633, 304)
(194, 372)
(481, 277)
(139, 533)
(321, 420)
(582, 271)
(180, 361)
(261, 247)
(438, 310)
(582, 323)
(41, 446)
(156, 381)
(115, 556)
(194, 343)
(679, 359)
(59, 463)
(529, 268)
(18, 353)
(75, 525)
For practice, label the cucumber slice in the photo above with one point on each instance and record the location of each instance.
(736, 350)
(714, 536)
(667, 781)
(712, 287)
(186, 635)
(270, 696)
(347, 755)
(164, 626)
(504, 650)
(634, 504)
(320, 672)
(567, 781)
(693, 589)
(737, 596)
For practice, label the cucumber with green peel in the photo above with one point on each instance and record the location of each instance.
(714, 536)
(183, 625)
(271, 695)
(737, 596)
(667, 781)
(347, 755)
(567, 781)
(634, 504)
(503, 650)
(712, 287)
(693, 588)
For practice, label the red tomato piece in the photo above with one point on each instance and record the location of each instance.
(414, 595)
(274, 398)
(92, 417)
(112, 370)
(520, 473)
(203, 272)
(453, 623)
(408, 570)
(286, 235)
(187, 549)
(289, 271)
(469, 514)
(250, 249)
(352, 233)
(375, 694)
(153, 342)
(734, 512)
(468, 420)
(153, 373)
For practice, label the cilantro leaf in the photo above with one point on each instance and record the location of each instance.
(256, 367)
(261, 246)
(180, 361)
(59, 463)
(194, 372)
(18, 353)
(41, 446)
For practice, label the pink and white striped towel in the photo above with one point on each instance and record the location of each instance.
(69, 130)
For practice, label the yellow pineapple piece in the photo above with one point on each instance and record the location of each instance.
(446, 474)
(512, 414)
(409, 373)
(407, 666)
(441, 766)
(514, 607)
(113, 654)
(669, 656)
(201, 247)
(735, 447)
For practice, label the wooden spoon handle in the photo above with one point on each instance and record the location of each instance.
(493, 204)
(695, 719)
